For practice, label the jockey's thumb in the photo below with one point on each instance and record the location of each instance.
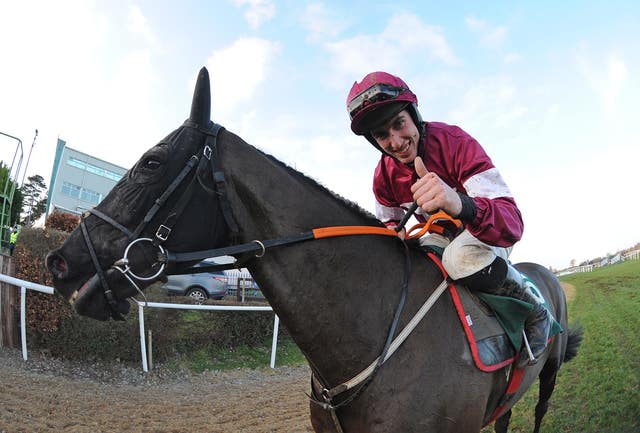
(421, 169)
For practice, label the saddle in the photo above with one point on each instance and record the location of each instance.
(492, 324)
(489, 341)
(494, 327)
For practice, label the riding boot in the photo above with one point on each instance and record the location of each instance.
(538, 322)
(500, 278)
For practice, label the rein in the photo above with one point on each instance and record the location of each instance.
(262, 246)
(433, 224)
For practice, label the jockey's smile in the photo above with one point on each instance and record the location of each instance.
(398, 137)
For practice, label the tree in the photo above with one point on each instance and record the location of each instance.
(16, 206)
(35, 198)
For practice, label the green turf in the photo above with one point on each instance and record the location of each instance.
(599, 390)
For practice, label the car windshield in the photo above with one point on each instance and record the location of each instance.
(224, 260)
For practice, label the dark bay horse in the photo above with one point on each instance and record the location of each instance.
(337, 296)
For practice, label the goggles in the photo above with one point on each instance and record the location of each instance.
(377, 92)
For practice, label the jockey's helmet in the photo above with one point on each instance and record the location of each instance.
(376, 99)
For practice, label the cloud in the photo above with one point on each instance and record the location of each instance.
(490, 37)
(491, 103)
(337, 159)
(395, 49)
(607, 79)
(321, 23)
(512, 58)
(616, 77)
(73, 79)
(139, 25)
(237, 71)
(259, 11)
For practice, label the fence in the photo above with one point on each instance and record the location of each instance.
(143, 305)
(243, 286)
(24, 285)
(574, 269)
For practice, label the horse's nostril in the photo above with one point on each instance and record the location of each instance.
(57, 265)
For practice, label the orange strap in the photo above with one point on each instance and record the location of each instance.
(430, 226)
(330, 232)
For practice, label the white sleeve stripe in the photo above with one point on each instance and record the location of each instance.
(487, 184)
(386, 214)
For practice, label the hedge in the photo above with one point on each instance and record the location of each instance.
(55, 328)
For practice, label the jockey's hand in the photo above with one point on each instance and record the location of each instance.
(432, 194)
(401, 234)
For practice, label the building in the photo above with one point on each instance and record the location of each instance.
(79, 181)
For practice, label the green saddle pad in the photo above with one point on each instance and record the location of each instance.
(511, 313)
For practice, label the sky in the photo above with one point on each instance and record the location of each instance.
(550, 89)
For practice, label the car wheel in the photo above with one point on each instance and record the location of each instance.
(197, 294)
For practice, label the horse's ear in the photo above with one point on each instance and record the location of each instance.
(201, 104)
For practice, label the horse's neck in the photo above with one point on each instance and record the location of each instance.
(325, 291)
(274, 200)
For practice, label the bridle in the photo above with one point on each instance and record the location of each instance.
(198, 162)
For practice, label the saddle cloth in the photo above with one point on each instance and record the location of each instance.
(493, 324)
(489, 343)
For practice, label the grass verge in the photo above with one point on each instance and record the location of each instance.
(257, 356)
(598, 391)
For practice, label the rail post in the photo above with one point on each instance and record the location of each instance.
(274, 341)
(143, 343)
(23, 321)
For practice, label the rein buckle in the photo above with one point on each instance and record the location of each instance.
(207, 152)
(326, 397)
(163, 232)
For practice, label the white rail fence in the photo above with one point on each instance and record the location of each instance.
(143, 305)
(24, 285)
(631, 255)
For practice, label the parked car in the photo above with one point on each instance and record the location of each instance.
(198, 286)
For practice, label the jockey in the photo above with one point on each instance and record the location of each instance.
(441, 167)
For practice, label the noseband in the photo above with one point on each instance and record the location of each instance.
(208, 156)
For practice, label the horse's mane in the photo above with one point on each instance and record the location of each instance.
(354, 207)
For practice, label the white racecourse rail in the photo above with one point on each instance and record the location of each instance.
(24, 285)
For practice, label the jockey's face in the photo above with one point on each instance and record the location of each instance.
(398, 137)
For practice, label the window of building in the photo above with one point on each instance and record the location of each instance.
(71, 189)
(87, 166)
(90, 196)
(78, 192)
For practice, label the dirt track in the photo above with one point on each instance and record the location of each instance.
(47, 395)
(44, 395)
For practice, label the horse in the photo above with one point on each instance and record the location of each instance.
(203, 188)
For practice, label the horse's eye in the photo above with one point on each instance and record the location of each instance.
(152, 164)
